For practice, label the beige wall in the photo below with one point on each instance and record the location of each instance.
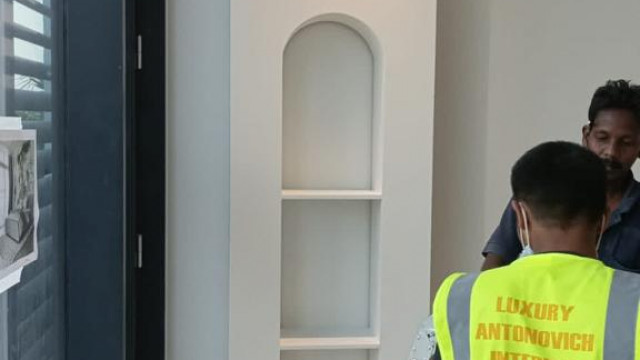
(511, 74)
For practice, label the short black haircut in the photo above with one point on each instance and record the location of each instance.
(616, 94)
(561, 182)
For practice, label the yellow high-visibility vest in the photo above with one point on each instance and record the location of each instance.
(551, 306)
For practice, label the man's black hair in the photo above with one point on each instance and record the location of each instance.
(561, 183)
(615, 94)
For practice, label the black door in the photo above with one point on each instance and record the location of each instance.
(147, 166)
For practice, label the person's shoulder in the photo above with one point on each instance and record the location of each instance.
(628, 281)
(632, 200)
(448, 283)
(633, 192)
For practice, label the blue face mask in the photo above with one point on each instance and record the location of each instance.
(526, 251)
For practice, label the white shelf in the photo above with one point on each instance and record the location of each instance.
(330, 343)
(331, 195)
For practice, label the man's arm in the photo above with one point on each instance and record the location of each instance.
(504, 245)
(491, 261)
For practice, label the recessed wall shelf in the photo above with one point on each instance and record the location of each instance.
(330, 343)
(331, 195)
(344, 354)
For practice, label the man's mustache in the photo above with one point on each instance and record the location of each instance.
(612, 164)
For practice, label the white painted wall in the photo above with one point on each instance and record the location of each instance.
(511, 74)
(198, 167)
(198, 179)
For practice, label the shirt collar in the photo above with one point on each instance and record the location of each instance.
(553, 256)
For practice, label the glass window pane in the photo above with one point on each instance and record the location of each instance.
(28, 18)
(26, 50)
(31, 313)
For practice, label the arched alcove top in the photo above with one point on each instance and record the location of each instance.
(328, 115)
(349, 21)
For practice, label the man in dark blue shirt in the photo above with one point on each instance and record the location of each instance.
(613, 133)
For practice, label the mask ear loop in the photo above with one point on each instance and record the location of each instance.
(602, 228)
(520, 236)
(524, 235)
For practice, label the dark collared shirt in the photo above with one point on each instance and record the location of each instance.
(619, 247)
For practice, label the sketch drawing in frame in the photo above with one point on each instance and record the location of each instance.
(18, 200)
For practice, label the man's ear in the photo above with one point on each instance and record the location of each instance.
(517, 208)
(585, 133)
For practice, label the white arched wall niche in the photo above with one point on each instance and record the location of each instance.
(328, 109)
(394, 206)
(329, 236)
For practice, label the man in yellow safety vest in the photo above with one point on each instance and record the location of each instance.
(559, 303)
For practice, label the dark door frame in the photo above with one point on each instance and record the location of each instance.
(146, 164)
(112, 127)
